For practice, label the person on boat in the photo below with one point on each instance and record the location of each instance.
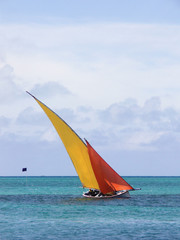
(90, 191)
(95, 193)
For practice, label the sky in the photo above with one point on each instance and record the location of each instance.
(110, 69)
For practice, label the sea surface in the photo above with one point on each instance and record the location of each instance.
(53, 208)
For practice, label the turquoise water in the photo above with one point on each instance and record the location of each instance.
(53, 208)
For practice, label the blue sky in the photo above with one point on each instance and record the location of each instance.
(109, 68)
(44, 11)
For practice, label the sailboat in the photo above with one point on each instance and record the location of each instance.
(94, 173)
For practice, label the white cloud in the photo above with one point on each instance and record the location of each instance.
(129, 126)
(9, 90)
(124, 126)
(30, 117)
(49, 136)
(144, 131)
(99, 63)
(49, 89)
(4, 122)
(101, 78)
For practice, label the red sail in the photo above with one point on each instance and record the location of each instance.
(108, 180)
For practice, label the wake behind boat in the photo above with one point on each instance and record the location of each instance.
(94, 173)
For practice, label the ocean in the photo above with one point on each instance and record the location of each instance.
(53, 208)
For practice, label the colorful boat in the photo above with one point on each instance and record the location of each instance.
(94, 173)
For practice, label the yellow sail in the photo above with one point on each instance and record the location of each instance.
(75, 147)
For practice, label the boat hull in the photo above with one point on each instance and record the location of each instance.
(124, 194)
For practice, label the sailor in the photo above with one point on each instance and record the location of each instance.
(90, 191)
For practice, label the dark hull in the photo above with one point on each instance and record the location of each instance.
(124, 194)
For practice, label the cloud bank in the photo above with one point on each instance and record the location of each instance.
(117, 84)
(125, 125)
(101, 63)
(125, 134)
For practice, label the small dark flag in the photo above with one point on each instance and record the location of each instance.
(24, 169)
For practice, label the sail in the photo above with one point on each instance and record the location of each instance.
(108, 180)
(75, 147)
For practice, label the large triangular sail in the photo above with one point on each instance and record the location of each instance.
(109, 181)
(75, 147)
